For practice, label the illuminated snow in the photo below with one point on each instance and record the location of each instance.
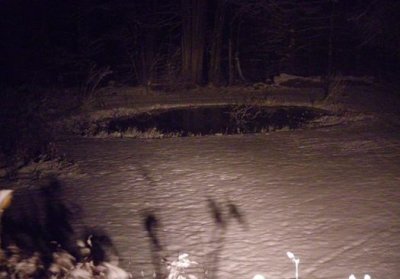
(329, 195)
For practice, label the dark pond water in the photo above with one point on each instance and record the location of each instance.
(228, 119)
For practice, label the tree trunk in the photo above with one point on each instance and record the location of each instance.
(329, 70)
(148, 45)
(231, 77)
(214, 74)
(147, 56)
(193, 40)
(237, 60)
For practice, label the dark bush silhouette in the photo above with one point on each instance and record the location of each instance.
(38, 220)
(24, 133)
(101, 246)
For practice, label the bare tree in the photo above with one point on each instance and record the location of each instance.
(214, 73)
(193, 40)
(377, 24)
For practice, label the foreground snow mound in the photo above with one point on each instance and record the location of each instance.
(63, 267)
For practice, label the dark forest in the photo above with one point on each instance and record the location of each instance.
(194, 42)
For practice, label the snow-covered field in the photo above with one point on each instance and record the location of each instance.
(237, 204)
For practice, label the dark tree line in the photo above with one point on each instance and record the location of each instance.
(194, 42)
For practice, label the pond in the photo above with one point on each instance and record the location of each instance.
(227, 119)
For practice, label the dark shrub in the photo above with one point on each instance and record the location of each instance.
(38, 220)
(24, 133)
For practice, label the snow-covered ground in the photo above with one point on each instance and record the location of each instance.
(237, 204)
